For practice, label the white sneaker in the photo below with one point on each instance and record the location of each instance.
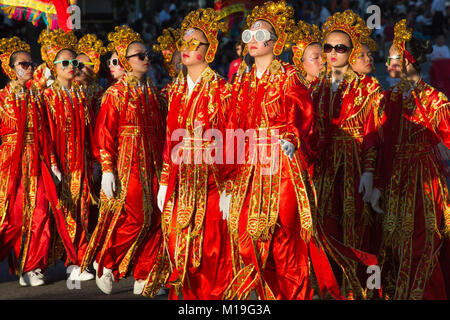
(32, 278)
(105, 282)
(138, 286)
(75, 275)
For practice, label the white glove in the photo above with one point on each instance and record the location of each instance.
(366, 184)
(288, 148)
(224, 205)
(375, 201)
(57, 173)
(161, 197)
(108, 184)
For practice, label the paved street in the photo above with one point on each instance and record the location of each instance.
(56, 288)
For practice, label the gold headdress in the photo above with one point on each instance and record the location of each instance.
(93, 47)
(8, 46)
(402, 34)
(304, 35)
(370, 43)
(280, 16)
(167, 45)
(206, 20)
(351, 24)
(120, 40)
(52, 42)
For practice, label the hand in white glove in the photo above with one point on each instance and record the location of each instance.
(108, 184)
(375, 201)
(288, 148)
(224, 205)
(366, 184)
(57, 173)
(161, 197)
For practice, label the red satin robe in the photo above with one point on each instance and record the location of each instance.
(26, 184)
(416, 220)
(71, 131)
(272, 201)
(344, 120)
(196, 236)
(128, 137)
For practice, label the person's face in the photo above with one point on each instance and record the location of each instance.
(336, 59)
(88, 68)
(197, 56)
(23, 66)
(117, 71)
(393, 64)
(260, 49)
(312, 60)
(364, 63)
(134, 53)
(65, 72)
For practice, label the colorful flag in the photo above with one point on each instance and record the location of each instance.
(52, 12)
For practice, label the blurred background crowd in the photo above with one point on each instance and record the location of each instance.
(429, 18)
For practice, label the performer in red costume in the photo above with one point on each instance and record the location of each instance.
(344, 102)
(26, 182)
(308, 52)
(416, 220)
(89, 51)
(167, 45)
(196, 235)
(272, 200)
(70, 128)
(129, 140)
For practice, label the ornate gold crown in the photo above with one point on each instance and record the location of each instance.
(52, 42)
(351, 24)
(167, 46)
(370, 43)
(206, 20)
(280, 16)
(93, 47)
(8, 46)
(120, 40)
(402, 34)
(304, 35)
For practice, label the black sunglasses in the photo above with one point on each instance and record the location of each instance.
(140, 55)
(339, 48)
(25, 64)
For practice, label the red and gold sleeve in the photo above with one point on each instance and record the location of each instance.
(300, 116)
(371, 139)
(106, 130)
(442, 124)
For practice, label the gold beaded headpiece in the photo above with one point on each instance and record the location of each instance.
(403, 34)
(54, 41)
(9, 46)
(350, 23)
(280, 16)
(93, 47)
(167, 45)
(370, 43)
(206, 20)
(120, 40)
(304, 35)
